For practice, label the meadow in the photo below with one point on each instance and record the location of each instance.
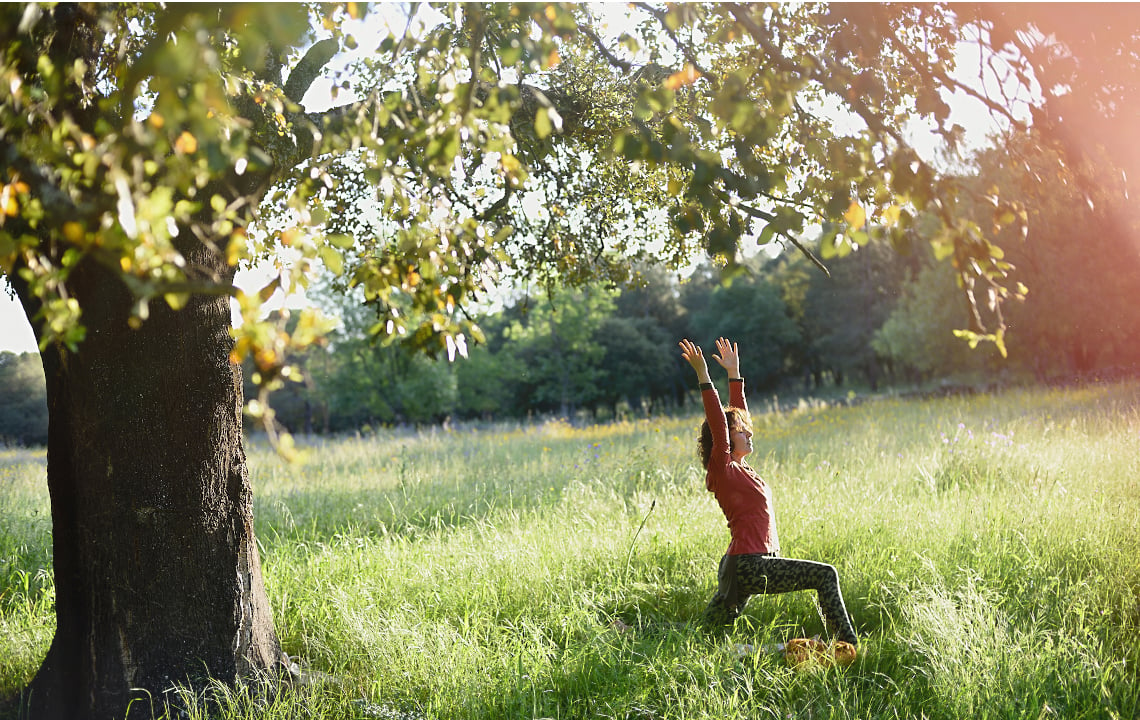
(987, 547)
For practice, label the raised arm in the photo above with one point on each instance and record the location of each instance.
(729, 359)
(692, 354)
(714, 412)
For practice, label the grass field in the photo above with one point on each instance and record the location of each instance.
(988, 548)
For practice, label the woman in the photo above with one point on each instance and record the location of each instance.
(752, 564)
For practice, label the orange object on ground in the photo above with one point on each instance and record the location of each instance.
(802, 651)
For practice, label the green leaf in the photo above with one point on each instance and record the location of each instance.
(542, 125)
(344, 242)
(629, 147)
(332, 259)
(829, 244)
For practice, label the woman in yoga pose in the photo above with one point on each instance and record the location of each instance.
(752, 564)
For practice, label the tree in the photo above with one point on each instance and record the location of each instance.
(487, 384)
(555, 342)
(1079, 258)
(1084, 60)
(23, 401)
(361, 380)
(917, 338)
(843, 311)
(637, 363)
(654, 297)
(751, 311)
(152, 149)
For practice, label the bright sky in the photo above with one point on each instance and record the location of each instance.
(16, 333)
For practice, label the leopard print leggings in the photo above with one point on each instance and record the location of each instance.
(741, 576)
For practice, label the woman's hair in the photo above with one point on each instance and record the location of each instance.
(735, 416)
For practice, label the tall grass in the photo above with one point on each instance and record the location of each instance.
(987, 547)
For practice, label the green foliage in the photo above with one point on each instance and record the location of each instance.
(23, 400)
(488, 384)
(157, 125)
(750, 311)
(918, 336)
(171, 145)
(555, 341)
(842, 312)
(1079, 257)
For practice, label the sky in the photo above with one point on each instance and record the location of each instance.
(16, 332)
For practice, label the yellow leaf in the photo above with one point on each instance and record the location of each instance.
(8, 204)
(237, 247)
(542, 124)
(241, 347)
(553, 58)
(510, 164)
(186, 143)
(176, 301)
(855, 216)
(265, 358)
(891, 215)
(73, 231)
(332, 259)
(686, 76)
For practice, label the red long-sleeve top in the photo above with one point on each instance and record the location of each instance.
(742, 494)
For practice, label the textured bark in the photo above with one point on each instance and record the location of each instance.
(157, 573)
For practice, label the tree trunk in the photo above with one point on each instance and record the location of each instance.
(157, 574)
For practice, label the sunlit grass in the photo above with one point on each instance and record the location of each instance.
(987, 547)
(26, 588)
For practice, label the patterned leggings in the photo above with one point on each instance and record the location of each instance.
(741, 576)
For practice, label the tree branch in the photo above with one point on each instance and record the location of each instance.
(807, 253)
(827, 79)
(748, 209)
(762, 215)
(309, 68)
(601, 47)
(942, 78)
(690, 57)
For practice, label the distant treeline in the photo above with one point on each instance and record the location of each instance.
(882, 318)
(23, 400)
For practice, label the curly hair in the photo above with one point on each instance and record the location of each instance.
(735, 416)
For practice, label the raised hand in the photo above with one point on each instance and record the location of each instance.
(729, 357)
(692, 354)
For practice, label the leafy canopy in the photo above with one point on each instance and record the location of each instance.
(474, 144)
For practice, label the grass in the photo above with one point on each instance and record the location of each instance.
(987, 548)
